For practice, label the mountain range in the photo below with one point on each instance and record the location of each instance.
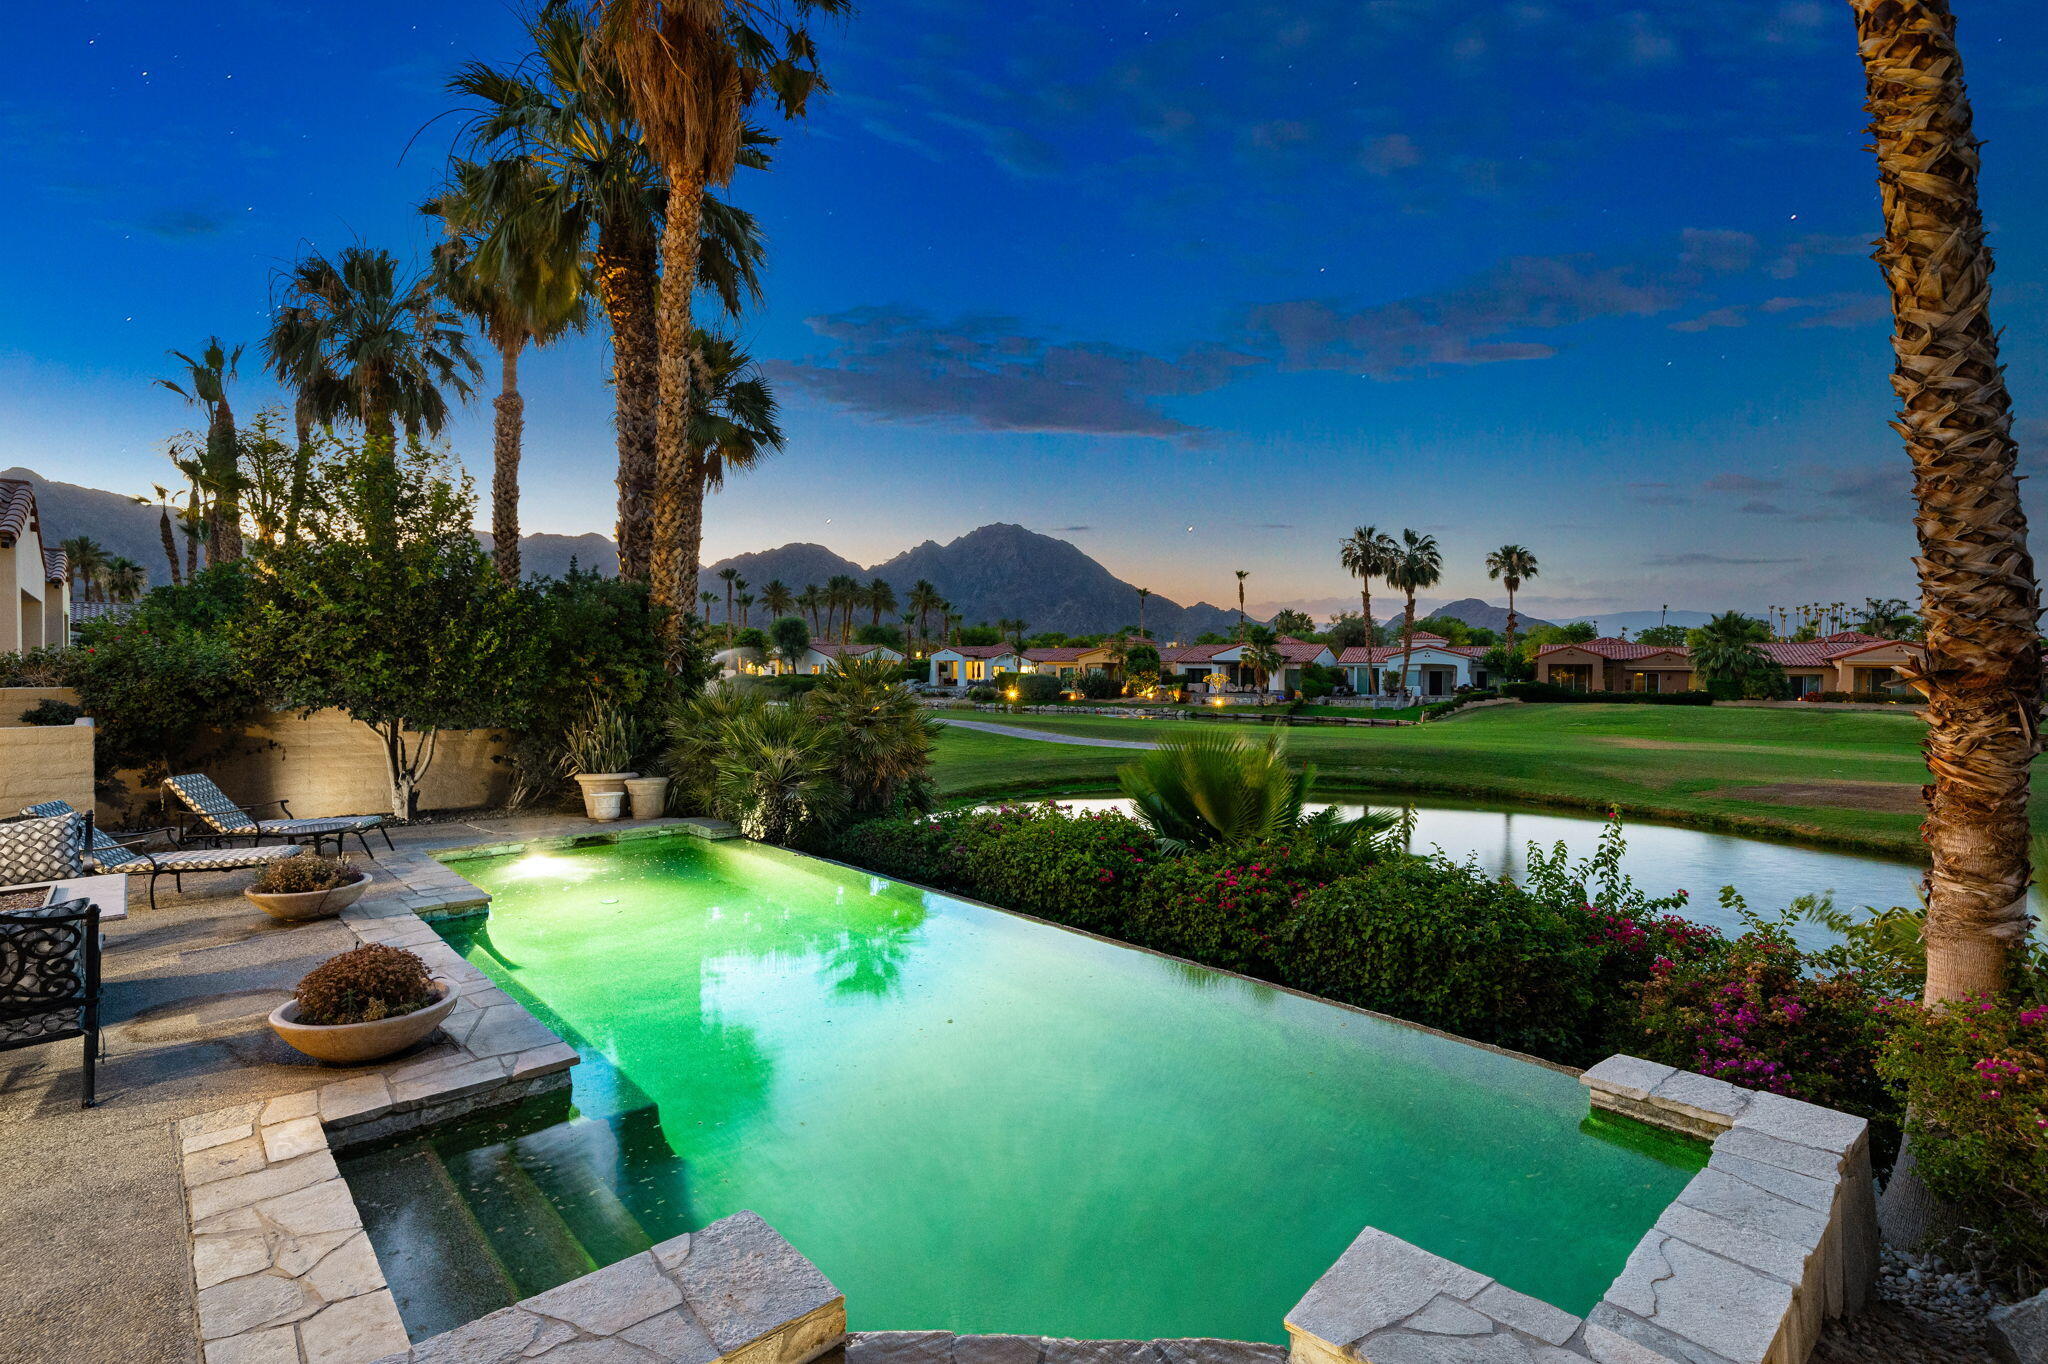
(996, 572)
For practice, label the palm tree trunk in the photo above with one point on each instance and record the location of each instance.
(1511, 616)
(1365, 606)
(1981, 666)
(226, 544)
(626, 283)
(163, 529)
(678, 530)
(302, 468)
(1407, 637)
(507, 429)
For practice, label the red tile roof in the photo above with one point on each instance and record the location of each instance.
(56, 565)
(1299, 650)
(1618, 650)
(846, 650)
(978, 650)
(1064, 654)
(17, 509)
(1192, 653)
(1384, 653)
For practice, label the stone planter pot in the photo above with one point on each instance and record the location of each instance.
(605, 806)
(602, 783)
(650, 796)
(354, 1043)
(297, 906)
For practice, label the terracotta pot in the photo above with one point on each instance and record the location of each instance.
(650, 796)
(602, 783)
(354, 1043)
(297, 906)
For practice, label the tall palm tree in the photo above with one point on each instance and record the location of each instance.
(842, 595)
(1143, 593)
(880, 597)
(85, 559)
(1242, 574)
(1366, 554)
(691, 69)
(707, 600)
(1511, 566)
(370, 343)
(1980, 667)
(1417, 564)
(514, 264)
(809, 601)
(777, 598)
(206, 387)
(164, 498)
(565, 111)
(746, 602)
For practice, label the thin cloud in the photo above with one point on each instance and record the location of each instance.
(1710, 561)
(1741, 483)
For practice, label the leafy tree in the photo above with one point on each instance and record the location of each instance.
(1296, 623)
(969, 635)
(1888, 618)
(751, 637)
(1578, 632)
(395, 615)
(1506, 664)
(1663, 636)
(879, 634)
(1349, 631)
(792, 640)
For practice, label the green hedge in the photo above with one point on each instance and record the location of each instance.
(1550, 691)
(1447, 946)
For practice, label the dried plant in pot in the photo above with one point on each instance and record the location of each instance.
(307, 887)
(363, 1005)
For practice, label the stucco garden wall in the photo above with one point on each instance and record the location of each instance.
(327, 764)
(45, 762)
(15, 700)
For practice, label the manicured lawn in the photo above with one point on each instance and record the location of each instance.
(1850, 778)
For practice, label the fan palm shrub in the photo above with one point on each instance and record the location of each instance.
(1211, 790)
(777, 773)
(884, 737)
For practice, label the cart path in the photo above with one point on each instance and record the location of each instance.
(1043, 737)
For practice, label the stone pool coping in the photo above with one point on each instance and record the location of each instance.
(1775, 1235)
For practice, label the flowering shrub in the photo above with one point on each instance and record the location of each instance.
(1974, 1074)
(1227, 905)
(1753, 1014)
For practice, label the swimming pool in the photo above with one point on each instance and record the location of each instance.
(973, 1121)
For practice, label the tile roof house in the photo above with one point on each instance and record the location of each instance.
(1430, 665)
(1848, 661)
(35, 591)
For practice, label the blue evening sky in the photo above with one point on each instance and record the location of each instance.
(1196, 285)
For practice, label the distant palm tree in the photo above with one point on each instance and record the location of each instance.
(1143, 593)
(745, 600)
(809, 601)
(690, 70)
(730, 576)
(1418, 564)
(880, 597)
(123, 580)
(953, 623)
(1366, 554)
(1242, 574)
(514, 264)
(206, 387)
(565, 111)
(1261, 654)
(1511, 566)
(924, 600)
(85, 559)
(1980, 667)
(709, 600)
(777, 598)
(370, 343)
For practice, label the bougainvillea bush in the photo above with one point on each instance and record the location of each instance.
(1974, 1076)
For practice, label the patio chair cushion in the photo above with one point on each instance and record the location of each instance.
(211, 804)
(105, 854)
(207, 859)
(45, 849)
(338, 824)
(43, 971)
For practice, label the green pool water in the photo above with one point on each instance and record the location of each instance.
(973, 1121)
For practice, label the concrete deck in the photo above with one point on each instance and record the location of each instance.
(94, 1258)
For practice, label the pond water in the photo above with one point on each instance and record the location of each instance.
(1661, 858)
(972, 1121)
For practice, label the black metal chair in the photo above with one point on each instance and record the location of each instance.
(50, 978)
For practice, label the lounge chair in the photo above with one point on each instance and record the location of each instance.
(222, 819)
(111, 855)
(49, 954)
